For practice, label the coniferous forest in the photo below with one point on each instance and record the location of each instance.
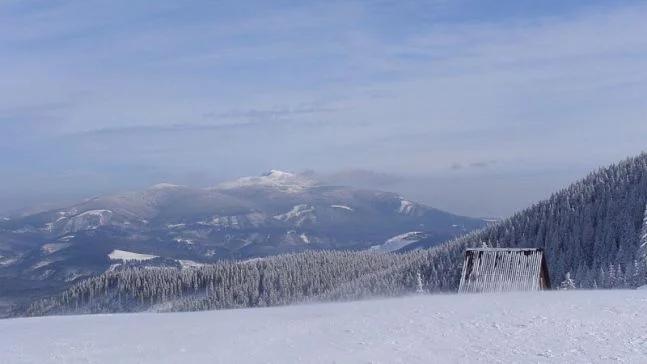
(594, 230)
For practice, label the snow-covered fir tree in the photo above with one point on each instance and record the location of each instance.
(419, 286)
(568, 282)
(640, 274)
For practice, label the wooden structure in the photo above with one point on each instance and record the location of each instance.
(504, 269)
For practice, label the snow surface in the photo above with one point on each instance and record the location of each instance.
(5, 262)
(184, 241)
(305, 238)
(189, 264)
(539, 327)
(344, 207)
(175, 226)
(50, 248)
(406, 207)
(88, 220)
(399, 241)
(49, 226)
(126, 255)
(99, 213)
(44, 263)
(299, 215)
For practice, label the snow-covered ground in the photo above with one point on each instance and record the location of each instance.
(399, 241)
(560, 326)
(128, 256)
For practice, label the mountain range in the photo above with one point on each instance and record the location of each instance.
(277, 212)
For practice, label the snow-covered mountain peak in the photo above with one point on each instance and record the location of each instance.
(286, 181)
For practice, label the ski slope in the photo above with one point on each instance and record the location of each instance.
(558, 326)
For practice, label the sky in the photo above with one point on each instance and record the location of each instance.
(476, 107)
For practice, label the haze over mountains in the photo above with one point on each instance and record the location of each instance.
(277, 212)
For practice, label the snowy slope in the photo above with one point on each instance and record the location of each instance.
(128, 256)
(558, 326)
(400, 241)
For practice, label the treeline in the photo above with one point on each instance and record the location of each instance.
(596, 230)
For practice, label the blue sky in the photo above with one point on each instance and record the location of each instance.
(477, 107)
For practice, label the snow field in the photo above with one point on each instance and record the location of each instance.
(544, 327)
(128, 256)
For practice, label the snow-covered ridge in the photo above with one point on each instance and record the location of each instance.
(285, 181)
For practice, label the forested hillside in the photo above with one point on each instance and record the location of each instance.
(596, 229)
(309, 276)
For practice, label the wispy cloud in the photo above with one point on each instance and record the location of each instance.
(247, 125)
(270, 114)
